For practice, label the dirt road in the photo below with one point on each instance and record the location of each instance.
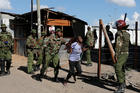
(21, 82)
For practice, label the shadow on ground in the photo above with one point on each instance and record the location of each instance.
(36, 77)
(102, 83)
(133, 88)
(97, 82)
(23, 68)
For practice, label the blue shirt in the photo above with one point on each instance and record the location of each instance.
(76, 52)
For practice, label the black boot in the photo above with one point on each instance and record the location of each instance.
(56, 78)
(2, 68)
(36, 68)
(39, 77)
(56, 71)
(8, 65)
(74, 77)
(121, 88)
(8, 72)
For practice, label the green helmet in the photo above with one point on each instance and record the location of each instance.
(33, 31)
(43, 33)
(3, 26)
(58, 30)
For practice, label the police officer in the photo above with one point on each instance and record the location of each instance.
(122, 47)
(89, 44)
(52, 45)
(6, 43)
(40, 51)
(32, 50)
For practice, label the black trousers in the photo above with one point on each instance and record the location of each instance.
(74, 65)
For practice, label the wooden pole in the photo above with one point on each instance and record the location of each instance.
(100, 45)
(47, 17)
(136, 44)
(109, 43)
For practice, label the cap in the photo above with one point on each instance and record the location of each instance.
(3, 26)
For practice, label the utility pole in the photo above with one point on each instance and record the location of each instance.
(38, 18)
(136, 45)
(31, 14)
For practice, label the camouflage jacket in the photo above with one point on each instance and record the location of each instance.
(40, 42)
(6, 40)
(52, 44)
(89, 38)
(31, 42)
(122, 42)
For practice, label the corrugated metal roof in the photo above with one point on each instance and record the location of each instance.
(59, 13)
(11, 14)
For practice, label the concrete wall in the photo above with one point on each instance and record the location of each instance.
(5, 19)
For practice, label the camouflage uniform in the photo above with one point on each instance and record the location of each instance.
(52, 46)
(32, 51)
(121, 48)
(6, 43)
(89, 44)
(40, 52)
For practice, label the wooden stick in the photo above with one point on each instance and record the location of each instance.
(109, 43)
(100, 44)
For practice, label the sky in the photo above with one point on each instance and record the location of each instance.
(88, 10)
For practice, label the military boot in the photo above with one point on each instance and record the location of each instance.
(39, 77)
(56, 78)
(2, 68)
(36, 68)
(56, 71)
(74, 77)
(8, 72)
(8, 65)
(121, 88)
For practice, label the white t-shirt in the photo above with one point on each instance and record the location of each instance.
(76, 52)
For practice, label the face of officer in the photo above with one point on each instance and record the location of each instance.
(88, 28)
(60, 34)
(3, 29)
(34, 34)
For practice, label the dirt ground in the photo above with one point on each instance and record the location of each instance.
(21, 82)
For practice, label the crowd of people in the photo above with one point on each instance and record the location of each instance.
(45, 50)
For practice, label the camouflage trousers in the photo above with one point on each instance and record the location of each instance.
(55, 62)
(5, 54)
(40, 57)
(120, 67)
(5, 59)
(88, 56)
(31, 56)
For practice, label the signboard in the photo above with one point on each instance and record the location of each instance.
(58, 22)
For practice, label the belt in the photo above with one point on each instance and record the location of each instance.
(33, 48)
(124, 52)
